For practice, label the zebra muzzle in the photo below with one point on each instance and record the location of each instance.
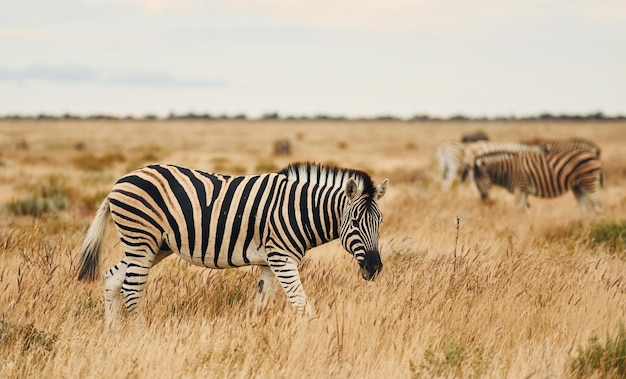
(371, 265)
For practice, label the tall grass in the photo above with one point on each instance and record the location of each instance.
(468, 290)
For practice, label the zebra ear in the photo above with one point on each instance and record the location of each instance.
(381, 190)
(351, 189)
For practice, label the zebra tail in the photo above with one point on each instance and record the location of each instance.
(90, 252)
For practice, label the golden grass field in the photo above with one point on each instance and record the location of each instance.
(518, 295)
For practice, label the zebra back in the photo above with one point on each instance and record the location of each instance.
(560, 145)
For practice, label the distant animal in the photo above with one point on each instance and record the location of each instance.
(455, 159)
(221, 221)
(450, 160)
(556, 145)
(543, 175)
(476, 149)
(282, 147)
(478, 135)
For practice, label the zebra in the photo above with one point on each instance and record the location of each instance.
(543, 175)
(221, 221)
(557, 145)
(450, 155)
(456, 159)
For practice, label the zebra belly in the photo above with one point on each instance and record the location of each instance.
(226, 257)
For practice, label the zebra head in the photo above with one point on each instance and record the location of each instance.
(360, 226)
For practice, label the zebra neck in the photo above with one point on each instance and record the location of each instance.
(317, 218)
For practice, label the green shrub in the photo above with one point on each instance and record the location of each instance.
(46, 196)
(610, 233)
(27, 336)
(454, 360)
(605, 360)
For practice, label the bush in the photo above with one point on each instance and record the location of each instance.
(610, 233)
(605, 360)
(46, 196)
(454, 360)
(25, 335)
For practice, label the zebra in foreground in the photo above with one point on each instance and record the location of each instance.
(456, 159)
(221, 221)
(542, 175)
(557, 145)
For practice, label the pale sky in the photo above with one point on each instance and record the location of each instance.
(355, 58)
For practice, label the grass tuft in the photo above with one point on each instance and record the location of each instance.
(48, 195)
(610, 233)
(26, 337)
(452, 360)
(606, 360)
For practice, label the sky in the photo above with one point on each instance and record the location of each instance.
(353, 58)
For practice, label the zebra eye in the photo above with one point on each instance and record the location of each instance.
(355, 223)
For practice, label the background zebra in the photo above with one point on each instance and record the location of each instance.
(566, 144)
(450, 155)
(455, 159)
(542, 175)
(222, 221)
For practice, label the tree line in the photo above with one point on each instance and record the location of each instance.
(596, 116)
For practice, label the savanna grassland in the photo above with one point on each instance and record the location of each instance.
(468, 289)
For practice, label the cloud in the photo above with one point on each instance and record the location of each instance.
(75, 74)
(64, 74)
(160, 79)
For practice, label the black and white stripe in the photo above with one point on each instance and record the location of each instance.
(456, 159)
(542, 175)
(221, 221)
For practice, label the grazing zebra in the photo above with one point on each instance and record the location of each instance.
(558, 145)
(221, 221)
(542, 175)
(456, 159)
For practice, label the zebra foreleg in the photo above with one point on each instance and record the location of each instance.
(521, 198)
(267, 285)
(286, 271)
(113, 280)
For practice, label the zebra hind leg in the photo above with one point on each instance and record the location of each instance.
(585, 197)
(113, 280)
(267, 286)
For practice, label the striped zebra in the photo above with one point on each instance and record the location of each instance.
(543, 175)
(456, 159)
(558, 145)
(221, 221)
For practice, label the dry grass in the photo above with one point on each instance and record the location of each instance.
(507, 294)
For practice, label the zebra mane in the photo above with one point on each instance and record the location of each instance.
(317, 173)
